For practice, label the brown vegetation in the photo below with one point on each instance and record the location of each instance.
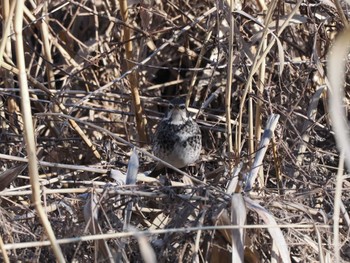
(99, 79)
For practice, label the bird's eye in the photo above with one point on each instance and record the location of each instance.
(171, 106)
(182, 107)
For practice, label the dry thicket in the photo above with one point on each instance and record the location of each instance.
(99, 79)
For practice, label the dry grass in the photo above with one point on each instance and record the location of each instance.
(85, 90)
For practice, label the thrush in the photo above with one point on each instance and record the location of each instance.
(178, 139)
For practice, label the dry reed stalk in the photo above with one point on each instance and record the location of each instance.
(228, 88)
(337, 206)
(258, 113)
(29, 132)
(262, 5)
(250, 126)
(336, 72)
(260, 91)
(111, 192)
(141, 121)
(277, 164)
(279, 32)
(258, 60)
(254, 68)
(48, 58)
(6, 48)
(308, 124)
(341, 13)
(196, 249)
(46, 47)
(267, 136)
(57, 165)
(3, 251)
(5, 45)
(238, 217)
(159, 231)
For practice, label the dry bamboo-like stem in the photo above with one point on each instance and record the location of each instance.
(46, 48)
(7, 13)
(262, 5)
(251, 74)
(273, 40)
(198, 239)
(29, 132)
(250, 125)
(141, 121)
(268, 134)
(341, 13)
(5, 43)
(48, 58)
(229, 85)
(260, 91)
(6, 48)
(256, 64)
(277, 163)
(238, 217)
(258, 114)
(336, 73)
(3, 251)
(113, 191)
(56, 165)
(162, 231)
(337, 202)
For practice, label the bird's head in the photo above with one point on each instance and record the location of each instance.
(177, 113)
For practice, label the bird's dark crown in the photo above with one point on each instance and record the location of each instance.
(178, 101)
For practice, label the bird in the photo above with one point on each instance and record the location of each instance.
(177, 139)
